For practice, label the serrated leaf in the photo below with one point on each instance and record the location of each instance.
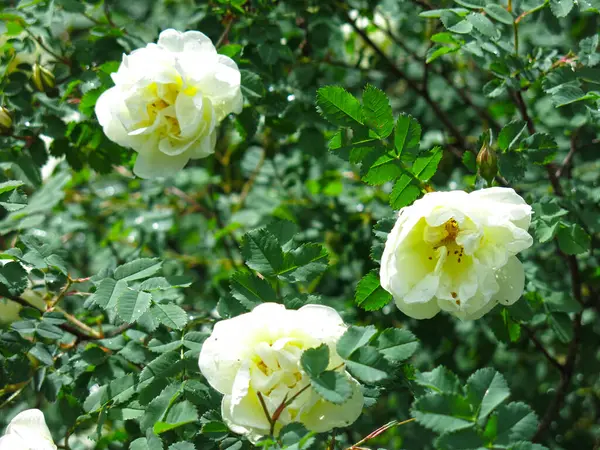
(353, 339)
(573, 240)
(315, 360)
(132, 304)
(250, 290)
(332, 386)
(262, 252)
(251, 85)
(404, 192)
(385, 168)
(396, 344)
(483, 25)
(305, 263)
(465, 439)
(108, 292)
(427, 163)
(138, 269)
(338, 106)
(180, 414)
(369, 293)
(516, 422)
(440, 380)
(561, 8)
(442, 413)
(10, 185)
(367, 365)
(377, 111)
(510, 134)
(499, 13)
(169, 315)
(407, 134)
(13, 279)
(486, 390)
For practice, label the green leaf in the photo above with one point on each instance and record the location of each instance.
(427, 163)
(13, 201)
(315, 360)
(440, 380)
(180, 414)
(138, 269)
(250, 290)
(442, 413)
(10, 185)
(396, 344)
(483, 25)
(469, 161)
(108, 293)
(262, 252)
(455, 23)
(13, 279)
(132, 304)
(573, 240)
(560, 8)
(499, 13)
(407, 134)
(169, 315)
(404, 192)
(510, 134)
(252, 86)
(561, 325)
(588, 51)
(385, 168)
(476, 4)
(150, 442)
(338, 106)
(369, 293)
(305, 263)
(516, 422)
(377, 111)
(332, 386)
(465, 439)
(163, 366)
(486, 390)
(353, 339)
(367, 365)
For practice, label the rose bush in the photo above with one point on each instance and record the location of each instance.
(297, 168)
(455, 252)
(167, 101)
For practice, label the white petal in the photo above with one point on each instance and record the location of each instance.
(30, 426)
(204, 147)
(324, 416)
(511, 279)
(152, 163)
(108, 108)
(248, 413)
(175, 41)
(13, 442)
(419, 310)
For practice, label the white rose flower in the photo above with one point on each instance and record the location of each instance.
(257, 355)
(27, 431)
(168, 99)
(456, 251)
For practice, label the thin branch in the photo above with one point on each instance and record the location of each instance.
(567, 161)
(248, 185)
(380, 430)
(541, 348)
(225, 32)
(439, 112)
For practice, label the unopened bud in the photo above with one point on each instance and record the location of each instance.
(5, 121)
(43, 80)
(487, 163)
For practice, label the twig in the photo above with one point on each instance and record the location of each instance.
(225, 32)
(541, 348)
(380, 430)
(567, 161)
(248, 185)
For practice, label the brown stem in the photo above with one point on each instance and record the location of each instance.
(541, 348)
(379, 431)
(564, 167)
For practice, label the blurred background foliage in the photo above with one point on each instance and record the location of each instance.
(521, 77)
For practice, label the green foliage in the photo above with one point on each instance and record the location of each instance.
(109, 284)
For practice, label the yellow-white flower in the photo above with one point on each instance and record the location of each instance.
(456, 251)
(257, 355)
(168, 99)
(27, 431)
